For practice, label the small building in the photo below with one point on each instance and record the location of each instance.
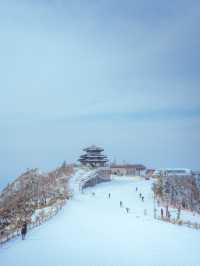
(181, 172)
(93, 157)
(128, 169)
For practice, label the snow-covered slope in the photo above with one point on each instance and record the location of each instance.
(95, 231)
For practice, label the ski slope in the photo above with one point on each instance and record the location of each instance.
(95, 231)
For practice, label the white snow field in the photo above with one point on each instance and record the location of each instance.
(95, 231)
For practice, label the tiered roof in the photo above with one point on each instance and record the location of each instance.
(93, 148)
(93, 156)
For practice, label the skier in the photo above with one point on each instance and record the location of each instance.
(24, 230)
(127, 210)
(93, 194)
(136, 189)
(161, 212)
(169, 215)
(121, 204)
(179, 213)
(109, 195)
(140, 195)
(142, 198)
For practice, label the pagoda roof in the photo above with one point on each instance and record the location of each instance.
(93, 160)
(93, 148)
(93, 156)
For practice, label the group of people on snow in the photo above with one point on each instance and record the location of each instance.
(24, 225)
(168, 215)
(121, 203)
(141, 196)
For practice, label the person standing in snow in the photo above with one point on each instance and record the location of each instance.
(162, 213)
(169, 215)
(24, 230)
(121, 204)
(127, 210)
(140, 195)
(179, 213)
(136, 189)
(109, 195)
(142, 198)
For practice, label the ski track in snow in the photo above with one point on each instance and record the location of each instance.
(95, 231)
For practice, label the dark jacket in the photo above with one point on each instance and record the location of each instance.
(24, 229)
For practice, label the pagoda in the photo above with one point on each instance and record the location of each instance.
(93, 157)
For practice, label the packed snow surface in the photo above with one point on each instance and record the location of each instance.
(92, 230)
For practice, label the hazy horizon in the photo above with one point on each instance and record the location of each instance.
(123, 75)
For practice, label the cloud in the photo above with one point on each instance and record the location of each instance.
(75, 74)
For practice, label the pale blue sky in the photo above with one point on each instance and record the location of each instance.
(121, 74)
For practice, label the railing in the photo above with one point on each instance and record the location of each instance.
(180, 222)
(11, 234)
(94, 178)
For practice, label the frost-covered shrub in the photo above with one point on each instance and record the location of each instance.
(31, 191)
(179, 191)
